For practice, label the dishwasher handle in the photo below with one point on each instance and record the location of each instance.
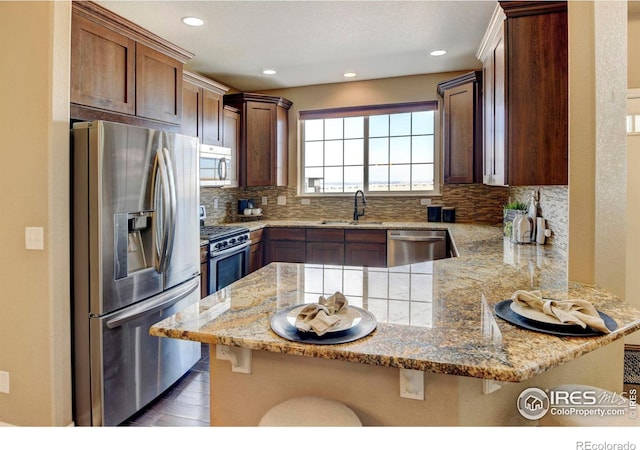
(416, 238)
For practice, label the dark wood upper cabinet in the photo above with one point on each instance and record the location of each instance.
(202, 114)
(158, 85)
(525, 73)
(103, 67)
(122, 72)
(263, 152)
(462, 128)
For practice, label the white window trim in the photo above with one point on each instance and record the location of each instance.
(438, 169)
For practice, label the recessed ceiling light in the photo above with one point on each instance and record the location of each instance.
(438, 52)
(349, 74)
(193, 21)
(269, 72)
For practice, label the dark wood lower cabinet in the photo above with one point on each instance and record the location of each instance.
(332, 246)
(256, 252)
(286, 251)
(367, 255)
(204, 271)
(325, 253)
(285, 245)
(365, 248)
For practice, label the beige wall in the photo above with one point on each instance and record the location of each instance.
(34, 285)
(597, 157)
(632, 281)
(633, 36)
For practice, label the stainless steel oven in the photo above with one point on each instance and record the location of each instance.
(229, 249)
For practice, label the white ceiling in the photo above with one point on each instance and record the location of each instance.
(315, 42)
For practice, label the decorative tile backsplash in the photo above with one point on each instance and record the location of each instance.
(473, 203)
(553, 206)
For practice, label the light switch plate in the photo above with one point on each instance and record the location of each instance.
(305, 201)
(215, 203)
(265, 200)
(4, 382)
(425, 201)
(282, 200)
(34, 238)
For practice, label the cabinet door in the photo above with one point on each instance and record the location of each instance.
(211, 118)
(494, 150)
(259, 166)
(158, 85)
(102, 67)
(191, 100)
(537, 134)
(460, 134)
(286, 251)
(204, 271)
(231, 139)
(256, 254)
(366, 248)
(325, 253)
(365, 254)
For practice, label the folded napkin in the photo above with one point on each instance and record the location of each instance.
(579, 312)
(322, 316)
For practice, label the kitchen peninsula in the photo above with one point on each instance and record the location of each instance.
(436, 325)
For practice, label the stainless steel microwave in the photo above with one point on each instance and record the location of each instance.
(217, 166)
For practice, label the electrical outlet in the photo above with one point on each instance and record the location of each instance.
(425, 201)
(305, 201)
(4, 382)
(265, 200)
(215, 203)
(34, 238)
(282, 200)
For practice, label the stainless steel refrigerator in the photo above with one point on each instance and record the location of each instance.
(135, 261)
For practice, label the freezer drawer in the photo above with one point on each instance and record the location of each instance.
(130, 368)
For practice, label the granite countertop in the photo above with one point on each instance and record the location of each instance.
(434, 316)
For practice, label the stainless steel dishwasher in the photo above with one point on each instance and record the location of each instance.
(413, 246)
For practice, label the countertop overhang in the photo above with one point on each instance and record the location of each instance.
(436, 316)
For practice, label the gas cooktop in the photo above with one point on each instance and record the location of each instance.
(216, 232)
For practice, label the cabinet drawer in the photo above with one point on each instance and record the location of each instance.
(372, 236)
(287, 234)
(256, 235)
(325, 235)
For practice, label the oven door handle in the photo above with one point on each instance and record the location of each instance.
(230, 251)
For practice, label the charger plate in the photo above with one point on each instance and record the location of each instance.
(361, 324)
(504, 311)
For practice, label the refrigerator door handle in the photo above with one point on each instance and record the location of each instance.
(163, 211)
(162, 301)
(172, 204)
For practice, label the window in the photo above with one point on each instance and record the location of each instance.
(379, 149)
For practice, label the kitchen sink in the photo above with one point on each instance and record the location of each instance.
(349, 222)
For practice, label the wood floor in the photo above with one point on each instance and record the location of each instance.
(185, 404)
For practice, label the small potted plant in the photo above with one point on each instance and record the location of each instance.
(509, 212)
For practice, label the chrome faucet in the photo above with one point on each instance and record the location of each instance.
(356, 213)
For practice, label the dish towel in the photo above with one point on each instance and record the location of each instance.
(321, 317)
(579, 312)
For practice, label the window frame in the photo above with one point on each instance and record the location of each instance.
(371, 110)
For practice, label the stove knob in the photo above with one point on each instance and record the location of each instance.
(232, 241)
